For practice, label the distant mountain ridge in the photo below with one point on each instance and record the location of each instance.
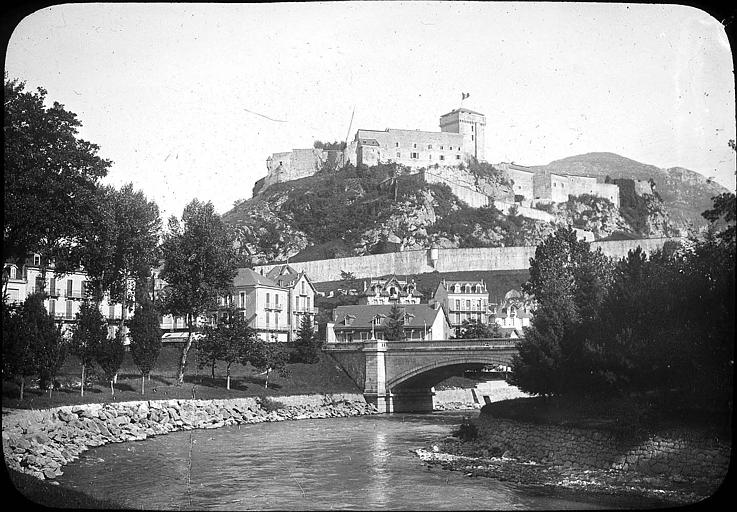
(685, 193)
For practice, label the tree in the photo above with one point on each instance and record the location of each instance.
(473, 329)
(199, 266)
(569, 283)
(110, 355)
(232, 340)
(125, 245)
(47, 344)
(347, 281)
(268, 357)
(51, 180)
(17, 347)
(88, 334)
(307, 345)
(394, 324)
(145, 335)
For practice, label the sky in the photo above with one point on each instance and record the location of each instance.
(188, 100)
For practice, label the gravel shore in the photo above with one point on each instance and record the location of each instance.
(451, 454)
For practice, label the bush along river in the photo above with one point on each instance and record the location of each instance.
(361, 462)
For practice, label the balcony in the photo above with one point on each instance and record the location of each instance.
(55, 293)
(305, 311)
(274, 307)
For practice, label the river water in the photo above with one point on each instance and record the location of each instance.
(355, 463)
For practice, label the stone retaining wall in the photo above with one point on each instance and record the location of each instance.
(40, 442)
(670, 452)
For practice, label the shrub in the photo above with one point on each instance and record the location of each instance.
(467, 431)
(269, 404)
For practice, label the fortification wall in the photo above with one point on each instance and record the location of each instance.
(460, 188)
(525, 211)
(447, 260)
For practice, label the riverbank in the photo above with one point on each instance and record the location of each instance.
(40, 442)
(617, 448)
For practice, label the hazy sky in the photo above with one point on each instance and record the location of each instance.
(189, 100)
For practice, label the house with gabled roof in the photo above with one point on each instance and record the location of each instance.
(389, 290)
(301, 296)
(364, 322)
(264, 304)
(464, 301)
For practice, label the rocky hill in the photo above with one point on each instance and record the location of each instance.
(357, 211)
(685, 194)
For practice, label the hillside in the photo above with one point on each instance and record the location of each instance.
(386, 208)
(685, 193)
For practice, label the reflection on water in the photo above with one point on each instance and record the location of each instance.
(347, 463)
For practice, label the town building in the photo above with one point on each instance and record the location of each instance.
(65, 292)
(557, 188)
(464, 301)
(513, 312)
(301, 296)
(389, 291)
(365, 322)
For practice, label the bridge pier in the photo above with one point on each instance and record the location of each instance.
(414, 400)
(375, 390)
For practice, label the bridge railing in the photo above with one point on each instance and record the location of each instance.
(430, 344)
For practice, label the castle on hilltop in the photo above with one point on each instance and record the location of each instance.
(461, 137)
(436, 157)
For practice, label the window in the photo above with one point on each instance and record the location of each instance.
(396, 144)
(399, 155)
(458, 304)
(243, 299)
(414, 145)
(70, 287)
(471, 127)
(69, 309)
(413, 155)
(429, 146)
(276, 299)
(308, 303)
(111, 312)
(268, 299)
(52, 307)
(442, 157)
(36, 260)
(471, 137)
(267, 319)
(276, 320)
(52, 286)
(441, 147)
(450, 148)
(303, 288)
(429, 157)
(458, 157)
(468, 305)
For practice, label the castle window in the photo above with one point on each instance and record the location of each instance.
(414, 145)
(429, 157)
(450, 148)
(429, 146)
(442, 157)
(441, 147)
(471, 137)
(399, 155)
(396, 144)
(458, 157)
(413, 155)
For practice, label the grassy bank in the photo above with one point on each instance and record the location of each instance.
(624, 415)
(324, 376)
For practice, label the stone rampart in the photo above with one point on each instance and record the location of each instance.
(41, 442)
(672, 452)
(447, 260)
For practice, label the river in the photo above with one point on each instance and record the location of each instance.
(345, 463)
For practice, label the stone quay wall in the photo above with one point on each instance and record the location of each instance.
(674, 452)
(41, 442)
(447, 260)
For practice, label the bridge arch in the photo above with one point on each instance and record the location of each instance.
(437, 370)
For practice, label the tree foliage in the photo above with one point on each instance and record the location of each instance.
(199, 266)
(473, 329)
(232, 340)
(110, 356)
(269, 357)
(145, 336)
(48, 347)
(569, 282)
(307, 346)
(51, 179)
(394, 324)
(89, 332)
(18, 360)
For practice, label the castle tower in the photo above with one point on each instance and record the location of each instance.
(472, 126)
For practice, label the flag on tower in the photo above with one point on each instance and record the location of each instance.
(465, 95)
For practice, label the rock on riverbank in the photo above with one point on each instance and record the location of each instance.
(41, 442)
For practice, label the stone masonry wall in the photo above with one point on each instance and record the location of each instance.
(668, 453)
(448, 260)
(41, 442)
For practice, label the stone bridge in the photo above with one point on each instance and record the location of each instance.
(398, 376)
